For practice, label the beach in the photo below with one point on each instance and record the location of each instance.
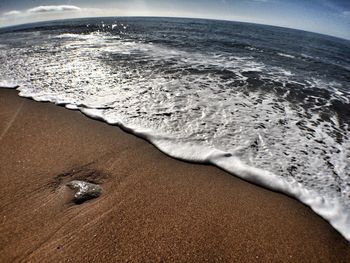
(153, 208)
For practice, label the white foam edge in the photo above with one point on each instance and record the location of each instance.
(8, 84)
(331, 210)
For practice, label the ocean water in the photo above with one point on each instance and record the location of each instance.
(270, 105)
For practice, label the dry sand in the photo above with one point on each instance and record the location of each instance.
(152, 209)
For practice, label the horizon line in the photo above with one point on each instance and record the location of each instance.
(178, 17)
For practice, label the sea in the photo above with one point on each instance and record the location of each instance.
(270, 105)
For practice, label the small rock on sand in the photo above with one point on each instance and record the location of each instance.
(84, 191)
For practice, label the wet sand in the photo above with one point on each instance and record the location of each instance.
(152, 208)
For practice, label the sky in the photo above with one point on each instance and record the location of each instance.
(321, 16)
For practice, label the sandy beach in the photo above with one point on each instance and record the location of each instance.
(152, 208)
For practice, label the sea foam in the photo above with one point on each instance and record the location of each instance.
(331, 210)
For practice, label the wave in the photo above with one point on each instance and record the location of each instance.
(280, 123)
(286, 55)
(331, 210)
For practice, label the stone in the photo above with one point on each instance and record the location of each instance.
(84, 191)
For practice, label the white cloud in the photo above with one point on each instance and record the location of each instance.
(13, 13)
(346, 13)
(44, 13)
(53, 8)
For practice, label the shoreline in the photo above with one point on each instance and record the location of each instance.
(152, 207)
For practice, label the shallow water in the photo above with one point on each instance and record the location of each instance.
(268, 104)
